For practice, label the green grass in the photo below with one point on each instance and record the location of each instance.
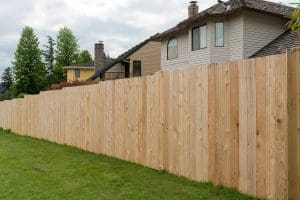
(36, 169)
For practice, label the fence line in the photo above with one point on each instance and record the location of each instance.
(233, 123)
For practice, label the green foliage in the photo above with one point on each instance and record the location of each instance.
(67, 47)
(84, 56)
(61, 172)
(294, 23)
(67, 51)
(7, 78)
(29, 71)
(49, 55)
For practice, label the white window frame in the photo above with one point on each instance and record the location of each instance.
(217, 44)
(168, 49)
(201, 45)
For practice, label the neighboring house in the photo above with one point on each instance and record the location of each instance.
(232, 30)
(81, 72)
(141, 60)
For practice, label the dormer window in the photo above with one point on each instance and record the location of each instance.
(219, 33)
(199, 38)
(172, 48)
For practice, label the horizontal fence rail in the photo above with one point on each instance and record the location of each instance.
(233, 123)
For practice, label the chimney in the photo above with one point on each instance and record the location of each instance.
(99, 55)
(193, 9)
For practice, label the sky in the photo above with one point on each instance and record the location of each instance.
(119, 23)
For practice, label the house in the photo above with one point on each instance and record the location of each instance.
(232, 30)
(81, 72)
(141, 60)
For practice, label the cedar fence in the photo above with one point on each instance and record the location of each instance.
(233, 123)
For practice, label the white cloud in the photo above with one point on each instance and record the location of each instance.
(120, 23)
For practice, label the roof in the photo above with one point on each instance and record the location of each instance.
(121, 57)
(88, 64)
(231, 7)
(286, 41)
(82, 65)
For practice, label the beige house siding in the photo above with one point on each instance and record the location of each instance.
(149, 55)
(260, 30)
(236, 37)
(116, 72)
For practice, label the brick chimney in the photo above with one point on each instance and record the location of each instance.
(99, 55)
(193, 9)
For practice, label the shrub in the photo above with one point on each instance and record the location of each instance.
(71, 84)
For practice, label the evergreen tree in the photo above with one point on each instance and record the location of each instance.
(7, 78)
(48, 55)
(28, 67)
(294, 23)
(84, 56)
(67, 47)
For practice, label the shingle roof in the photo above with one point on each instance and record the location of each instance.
(86, 64)
(121, 57)
(231, 7)
(286, 41)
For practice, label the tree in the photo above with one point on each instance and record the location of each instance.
(7, 78)
(67, 47)
(29, 71)
(84, 56)
(48, 55)
(294, 23)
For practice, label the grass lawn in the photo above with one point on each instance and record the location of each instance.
(35, 169)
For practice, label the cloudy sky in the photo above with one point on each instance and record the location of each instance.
(119, 23)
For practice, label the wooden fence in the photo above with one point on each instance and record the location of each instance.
(233, 123)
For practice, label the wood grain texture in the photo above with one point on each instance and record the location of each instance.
(233, 123)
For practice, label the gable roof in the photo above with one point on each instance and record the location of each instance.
(231, 7)
(286, 41)
(121, 58)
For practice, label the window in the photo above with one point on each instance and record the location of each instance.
(137, 68)
(172, 48)
(77, 73)
(219, 34)
(199, 38)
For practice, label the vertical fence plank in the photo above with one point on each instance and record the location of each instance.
(270, 128)
(251, 111)
(211, 123)
(260, 74)
(234, 125)
(281, 139)
(243, 126)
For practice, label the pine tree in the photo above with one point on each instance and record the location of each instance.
(49, 56)
(7, 78)
(28, 67)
